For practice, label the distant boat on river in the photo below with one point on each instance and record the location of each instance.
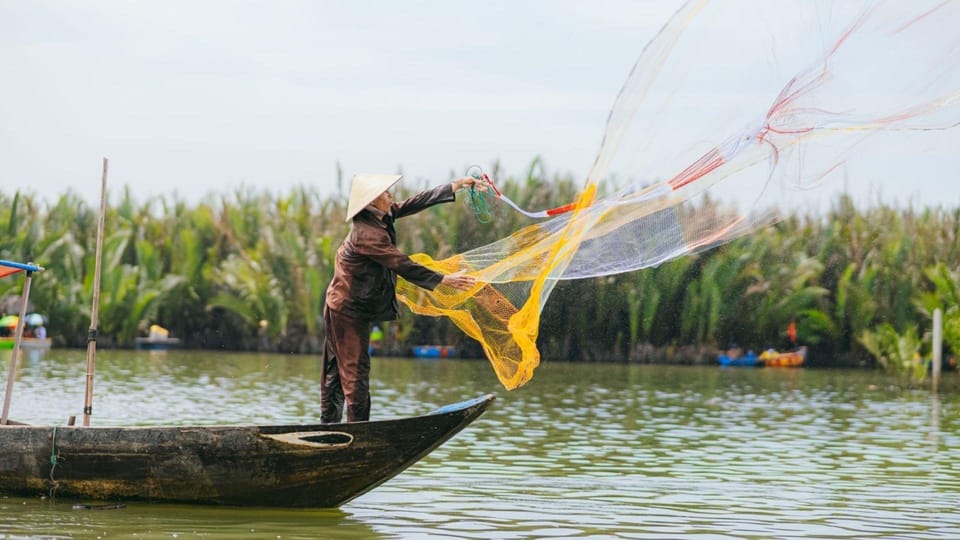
(149, 343)
(27, 343)
(769, 358)
(159, 339)
(772, 358)
(434, 351)
(749, 359)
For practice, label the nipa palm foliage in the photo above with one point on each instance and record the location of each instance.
(248, 270)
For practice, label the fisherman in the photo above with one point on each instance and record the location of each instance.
(363, 289)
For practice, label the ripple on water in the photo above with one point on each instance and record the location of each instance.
(583, 451)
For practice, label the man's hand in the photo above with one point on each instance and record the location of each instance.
(458, 280)
(468, 181)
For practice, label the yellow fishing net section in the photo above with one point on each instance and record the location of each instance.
(502, 312)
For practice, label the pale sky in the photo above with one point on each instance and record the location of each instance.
(199, 97)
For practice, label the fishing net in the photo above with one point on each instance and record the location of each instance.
(480, 201)
(734, 112)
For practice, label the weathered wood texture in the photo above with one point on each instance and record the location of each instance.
(321, 465)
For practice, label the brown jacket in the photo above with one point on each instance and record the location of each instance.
(364, 284)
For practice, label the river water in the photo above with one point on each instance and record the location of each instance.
(581, 451)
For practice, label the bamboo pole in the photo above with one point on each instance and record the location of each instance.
(937, 349)
(15, 353)
(95, 310)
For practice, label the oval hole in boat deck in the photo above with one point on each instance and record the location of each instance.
(314, 439)
(328, 438)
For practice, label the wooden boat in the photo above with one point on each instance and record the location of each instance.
(314, 465)
(158, 340)
(772, 358)
(156, 343)
(434, 351)
(27, 343)
(317, 465)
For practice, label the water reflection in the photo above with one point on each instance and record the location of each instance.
(584, 451)
(935, 418)
(34, 518)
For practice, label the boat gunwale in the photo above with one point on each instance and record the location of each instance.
(453, 408)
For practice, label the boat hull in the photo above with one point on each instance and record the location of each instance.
(27, 343)
(320, 465)
(747, 360)
(434, 351)
(785, 359)
(156, 344)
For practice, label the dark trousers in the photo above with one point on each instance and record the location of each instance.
(345, 369)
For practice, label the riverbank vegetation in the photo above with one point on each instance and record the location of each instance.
(247, 270)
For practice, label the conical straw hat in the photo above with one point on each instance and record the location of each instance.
(364, 188)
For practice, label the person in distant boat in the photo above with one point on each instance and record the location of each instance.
(792, 333)
(376, 340)
(40, 332)
(363, 289)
